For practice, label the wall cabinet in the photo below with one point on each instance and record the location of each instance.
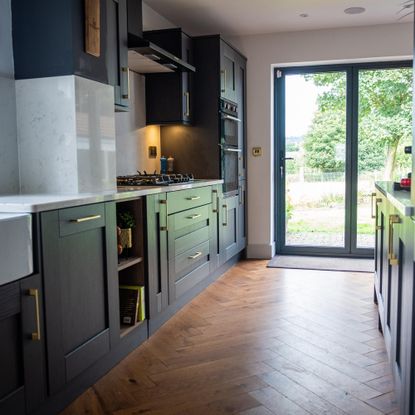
(22, 376)
(395, 290)
(81, 288)
(169, 96)
(228, 72)
(117, 52)
(212, 58)
(49, 39)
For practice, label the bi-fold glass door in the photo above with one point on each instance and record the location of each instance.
(338, 130)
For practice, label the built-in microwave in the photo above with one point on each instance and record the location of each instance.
(229, 143)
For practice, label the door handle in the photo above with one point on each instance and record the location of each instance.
(163, 206)
(126, 73)
(34, 292)
(393, 220)
(85, 219)
(197, 215)
(378, 200)
(215, 199)
(191, 198)
(196, 255)
(282, 165)
(187, 97)
(223, 73)
(225, 222)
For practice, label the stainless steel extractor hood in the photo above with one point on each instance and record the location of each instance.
(146, 57)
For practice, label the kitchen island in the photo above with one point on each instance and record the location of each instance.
(394, 284)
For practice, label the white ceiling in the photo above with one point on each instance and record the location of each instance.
(241, 17)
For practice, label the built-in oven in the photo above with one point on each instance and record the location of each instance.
(229, 143)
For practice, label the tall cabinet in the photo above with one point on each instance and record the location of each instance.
(221, 73)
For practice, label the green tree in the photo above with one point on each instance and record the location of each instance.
(385, 119)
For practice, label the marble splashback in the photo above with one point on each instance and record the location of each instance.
(66, 135)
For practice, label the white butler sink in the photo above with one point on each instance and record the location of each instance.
(16, 248)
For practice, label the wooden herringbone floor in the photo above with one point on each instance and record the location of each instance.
(258, 341)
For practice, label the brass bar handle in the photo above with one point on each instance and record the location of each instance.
(215, 198)
(163, 204)
(86, 219)
(225, 222)
(34, 292)
(378, 200)
(126, 72)
(187, 97)
(192, 198)
(393, 220)
(240, 194)
(223, 73)
(196, 255)
(197, 215)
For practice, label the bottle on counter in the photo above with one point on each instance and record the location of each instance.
(170, 165)
(163, 165)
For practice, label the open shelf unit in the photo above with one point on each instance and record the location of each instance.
(132, 268)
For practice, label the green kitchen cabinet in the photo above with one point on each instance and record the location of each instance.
(395, 294)
(79, 257)
(22, 361)
(228, 231)
(157, 254)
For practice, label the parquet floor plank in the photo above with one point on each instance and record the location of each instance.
(258, 341)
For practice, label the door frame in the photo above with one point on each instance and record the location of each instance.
(352, 129)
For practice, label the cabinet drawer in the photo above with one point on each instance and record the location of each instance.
(187, 199)
(188, 218)
(190, 280)
(186, 242)
(190, 259)
(82, 218)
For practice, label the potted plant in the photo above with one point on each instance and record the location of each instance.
(126, 223)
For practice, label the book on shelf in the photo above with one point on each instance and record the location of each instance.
(132, 304)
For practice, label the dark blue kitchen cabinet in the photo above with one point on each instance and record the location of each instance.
(81, 289)
(169, 96)
(228, 72)
(117, 52)
(22, 363)
(49, 39)
(395, 295)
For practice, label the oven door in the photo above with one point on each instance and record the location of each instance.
(230, 170)
(229, 130)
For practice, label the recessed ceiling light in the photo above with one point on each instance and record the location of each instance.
(303, 15)
(355, 10)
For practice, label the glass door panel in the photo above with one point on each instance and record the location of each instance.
(384, 129)
(313, 165)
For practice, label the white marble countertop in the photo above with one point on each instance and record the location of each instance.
(44, 202)
(401, 199)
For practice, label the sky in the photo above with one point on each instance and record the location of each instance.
(300, 104)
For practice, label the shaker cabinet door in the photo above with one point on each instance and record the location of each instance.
(81, 293)
(227, 72)
(228, 223)
(22, 375)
